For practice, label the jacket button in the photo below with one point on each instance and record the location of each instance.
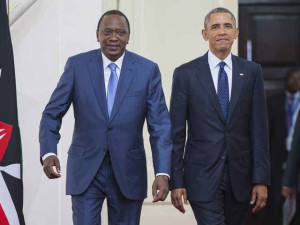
(109, 129)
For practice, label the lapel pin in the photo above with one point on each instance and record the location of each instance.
(241, 74)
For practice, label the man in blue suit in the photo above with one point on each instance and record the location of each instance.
(224, 163)
(112, 91)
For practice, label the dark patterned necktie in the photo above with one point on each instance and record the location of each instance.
(223, 90)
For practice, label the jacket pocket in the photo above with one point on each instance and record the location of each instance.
(75, 150)
(138, 154)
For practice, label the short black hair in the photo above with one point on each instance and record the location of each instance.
(114, 12)
(219, 10)
(291, 72)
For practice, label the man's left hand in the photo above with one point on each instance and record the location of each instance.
(160, 188)
(259, 197)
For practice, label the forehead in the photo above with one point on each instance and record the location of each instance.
(113, 22)
(220, 18)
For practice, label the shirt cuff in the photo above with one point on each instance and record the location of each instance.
(164, 174)
(46, 155)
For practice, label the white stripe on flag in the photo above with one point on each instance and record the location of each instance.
(5, 198)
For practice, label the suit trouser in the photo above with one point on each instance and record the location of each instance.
(223, 208)
(87, 206)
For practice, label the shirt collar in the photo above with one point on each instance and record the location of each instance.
(289, 95)
(214, 61)
(106, 61)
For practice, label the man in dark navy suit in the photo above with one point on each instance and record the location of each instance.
(112, 91)
(223, 164)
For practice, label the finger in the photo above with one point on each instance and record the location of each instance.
(53, 173)
(154, 190)
(180, 205)
(257, 205)
(159, 197)
(165, 195)
(253, 198)
(185, 198)
(263, 204)
(174, 201)
(57, 164)
(47, 171)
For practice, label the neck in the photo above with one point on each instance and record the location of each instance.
(292, 92)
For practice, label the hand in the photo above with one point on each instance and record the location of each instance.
(48, 164)
(259, 197)
(287, 192)
(160, 188)
(176, 197)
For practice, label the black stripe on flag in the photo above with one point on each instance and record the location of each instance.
(8, 115)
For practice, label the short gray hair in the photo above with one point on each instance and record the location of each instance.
(219, 10)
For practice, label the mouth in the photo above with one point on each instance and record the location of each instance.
(113, 47)
(222, 40)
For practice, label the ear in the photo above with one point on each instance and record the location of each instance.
(97, 35)
(237, 31)
(204, 34)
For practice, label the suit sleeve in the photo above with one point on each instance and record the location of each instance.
(293, 162)
(159, 125)
(178, 112)
(57, 107)
(259, 133)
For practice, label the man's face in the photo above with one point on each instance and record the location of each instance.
(220, 33)
(293, 82)
(113, 35)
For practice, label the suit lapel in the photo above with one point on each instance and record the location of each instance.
(96, 74)
(237, 82)
(207, 83)
(127, 73)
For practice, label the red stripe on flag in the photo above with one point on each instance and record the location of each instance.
(5, 133)
(3, 219)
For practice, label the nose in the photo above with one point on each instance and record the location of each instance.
(222, 30)
(114, 36)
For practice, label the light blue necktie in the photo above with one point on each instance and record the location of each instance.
(112, 87)
(223, 90)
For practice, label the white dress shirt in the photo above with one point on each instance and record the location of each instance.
(296, 106)
(213, 62)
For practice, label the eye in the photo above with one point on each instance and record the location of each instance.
(107, 32)
(121, 33)
(214, 26)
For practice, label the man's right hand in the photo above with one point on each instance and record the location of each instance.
(176, 197)
(48, 165)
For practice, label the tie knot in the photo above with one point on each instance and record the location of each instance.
(222, 64)
(112, 67)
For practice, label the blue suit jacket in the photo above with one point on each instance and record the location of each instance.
(139, 96)
(244, 137)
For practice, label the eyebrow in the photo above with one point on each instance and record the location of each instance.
(218, 24)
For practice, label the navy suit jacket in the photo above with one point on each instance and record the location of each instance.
(139, 96)
(291, 174)
(198, 162)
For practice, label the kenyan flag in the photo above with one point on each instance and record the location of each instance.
(11, 185)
